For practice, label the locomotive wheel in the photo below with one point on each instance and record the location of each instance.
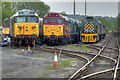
(56, 43)
(12, 42)
(48, 43)
(64, 41)
(20, 42)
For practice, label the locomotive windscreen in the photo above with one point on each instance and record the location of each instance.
(89, 17)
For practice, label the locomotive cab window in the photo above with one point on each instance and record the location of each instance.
(32, 19)
(59, 21)
(20, 19)
(52, 19)
(46, 21)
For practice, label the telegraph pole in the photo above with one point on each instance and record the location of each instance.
(85, 8)
(74, 7)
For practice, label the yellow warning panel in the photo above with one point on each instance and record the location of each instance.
(5, 30)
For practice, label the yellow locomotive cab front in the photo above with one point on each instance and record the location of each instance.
(53, 30)
(5, 30)
(26, 29)
(89, 37)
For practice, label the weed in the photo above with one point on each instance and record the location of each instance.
(29, 55)
(79, 46)
(64, 70)
(41, 77)
(51, 68)
(19, 53)
(65, 63)
(69, 46)
(74, 49)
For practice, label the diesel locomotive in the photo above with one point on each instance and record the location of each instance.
(58, 29)
(24, 27)
(6, 27)
(92, 30)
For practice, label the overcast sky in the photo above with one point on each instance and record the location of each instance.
(94, 7)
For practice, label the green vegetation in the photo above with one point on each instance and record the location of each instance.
(40, 77)
(69, 46)
(35, 56)
(64, 70)
(19, 53)
(79, 46)
(63, 13)
(74, 49)
(51, 68)
(10, 8)
(29, 55)
(7, 11)
(111, 24)
(66, 63)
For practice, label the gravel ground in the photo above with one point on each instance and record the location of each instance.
(36, 65)
(101, 64)
(40, 63)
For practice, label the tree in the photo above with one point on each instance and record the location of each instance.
(39, 7)
(108, 23)
(7, 10)
(63, 13)
(10, 8)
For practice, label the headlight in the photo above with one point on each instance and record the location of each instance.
(91, 29)
(33, 32)
(86, 30)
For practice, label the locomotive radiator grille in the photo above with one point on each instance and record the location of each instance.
(89, 38)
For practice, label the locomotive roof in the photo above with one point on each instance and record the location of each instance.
(78, 21)
(24, 12)
(66, 18)
(72, 19)
(99, 21)
(53, 15)
(40, 19)
(6, 19)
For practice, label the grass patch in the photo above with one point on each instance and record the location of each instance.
(41, 77)
(69, 46)
(64, 70)
(39, 56)
(79, 46)
(71, 59)
(66, 63)
(74, 49)
(19, 53)
(29, 55)
(51, 68)
(86, 48)
(35, 56)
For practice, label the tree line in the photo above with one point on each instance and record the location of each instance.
(10, 8)
(113, 24)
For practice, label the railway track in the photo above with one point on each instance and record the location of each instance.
(115, 69)
(98, 47)
(118, 63)
(77, 52)
(81, 70)
(89, 61)
(89, 58)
